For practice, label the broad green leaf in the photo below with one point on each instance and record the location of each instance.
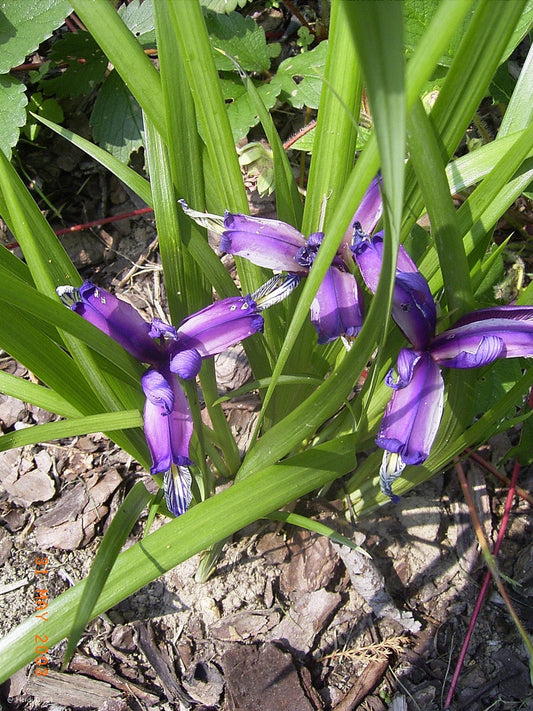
(41, 107)
(139, 19)
(337, 123)
(13, 103)
(241, 111)
(493, 382)
(46, 310)
(473, 167)
(242, 39)
(519, 112)
(300, 78)
(21, 338)
(24, 24)
(502, 85)
(85, 63)
(127, 56)
(418, 14)
(117, 119)
(223, 5)
(522, 27)
(429, 167)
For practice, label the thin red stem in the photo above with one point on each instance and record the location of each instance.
(499, 475)
(484, 587)
(103, 221)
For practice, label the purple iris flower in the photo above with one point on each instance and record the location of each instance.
(337, 307)
(412, 416)
(167, 418)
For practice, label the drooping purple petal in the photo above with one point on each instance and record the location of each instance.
(186, 363)
(267, 243)
(336, 308)
(413, 414)
(177, 487)
(413, 308)
(167, 421)
(119, 320)
(220, 325)
(482, 336)
(405, 364)
(369, 212)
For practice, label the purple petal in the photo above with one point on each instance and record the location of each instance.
(177, 486)
(512, 313)
(336, 308)
(368, 253)
(220, 325)
(483, 336)
(413, 414)
(267, 243)
(369, 212)
(186, 363)
(167, 421)
(119, 320)
(413, 308)
(405, 364)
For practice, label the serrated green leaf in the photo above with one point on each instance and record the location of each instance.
(417, 15)
(139, 18)
(300, 78)
(241, 38)
(86, 66)
(117, 119)
(241, 112)
(222, 5)
(13, 102)
(24, 24)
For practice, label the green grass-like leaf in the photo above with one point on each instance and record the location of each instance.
(105, 422)
(114, 538)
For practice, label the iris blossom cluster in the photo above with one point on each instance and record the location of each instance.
(337, 307)
(414, 412)
(169, 352)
